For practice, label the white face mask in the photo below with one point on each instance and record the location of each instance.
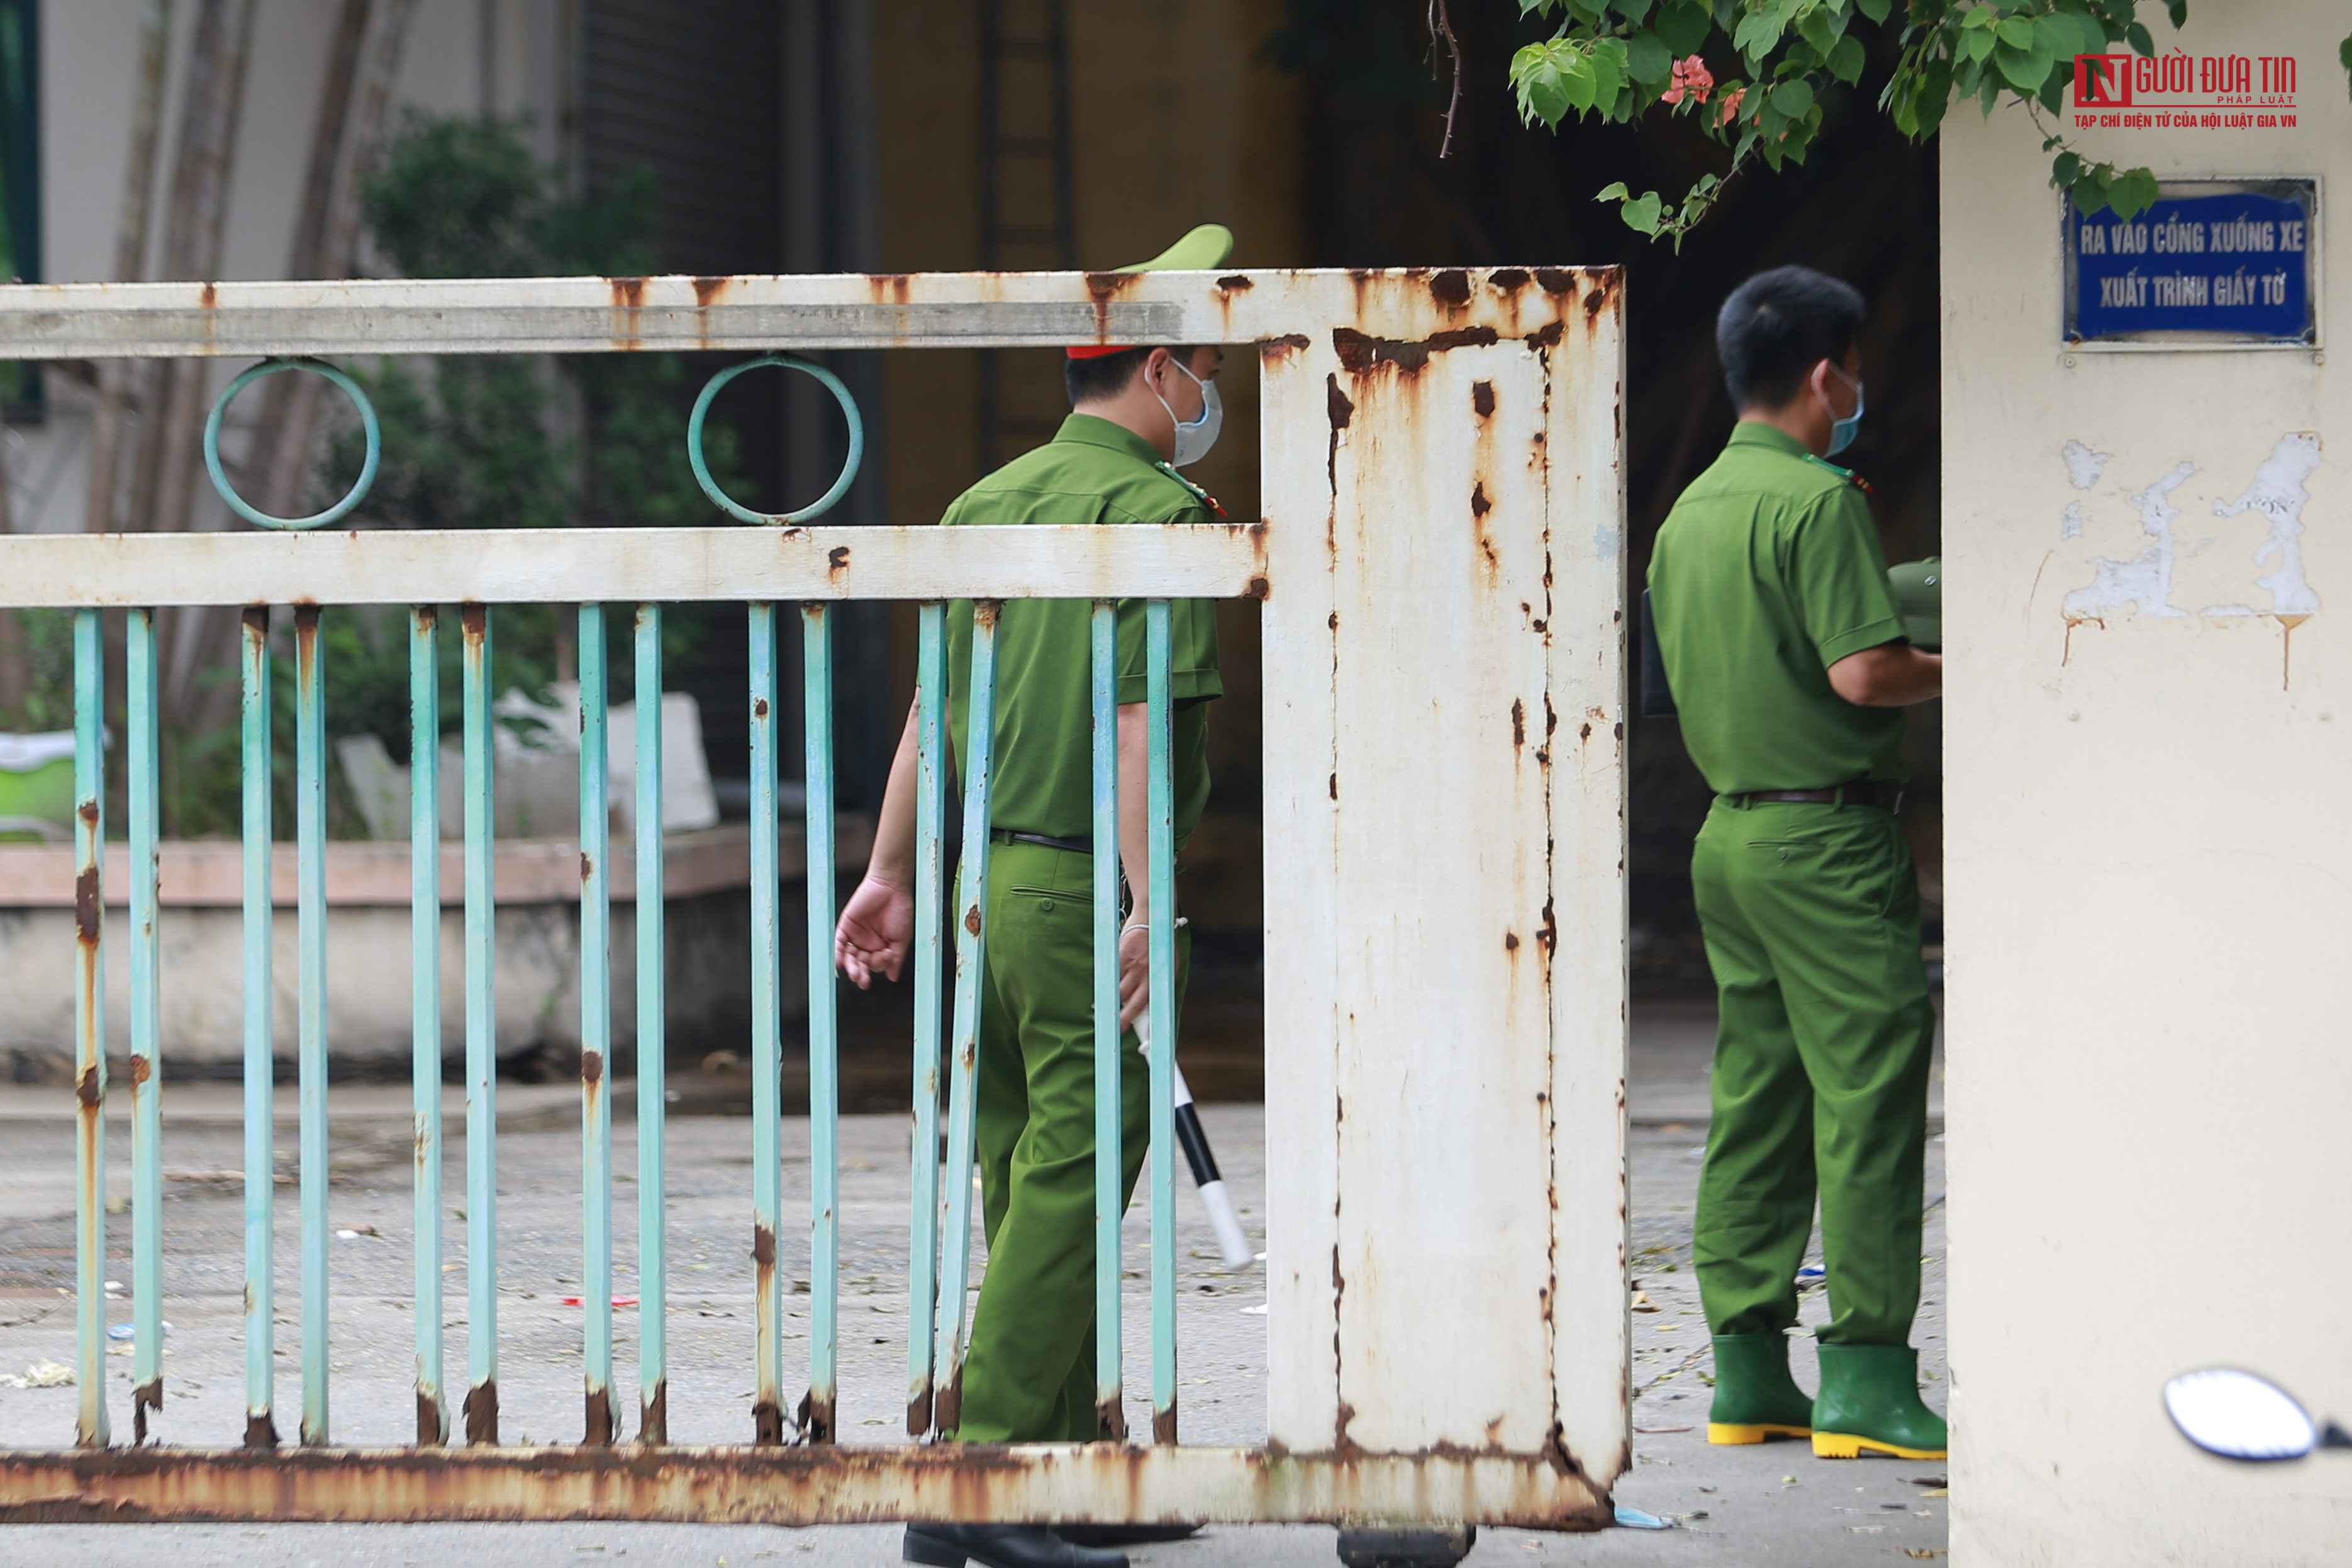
(1194, 438)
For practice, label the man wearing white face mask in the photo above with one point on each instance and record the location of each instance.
(1138, 415)
(1790, 663)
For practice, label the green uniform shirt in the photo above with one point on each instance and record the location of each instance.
(1042, 773)
(1765, 573)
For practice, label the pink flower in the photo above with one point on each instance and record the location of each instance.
(1730, 111)
(1692, 78)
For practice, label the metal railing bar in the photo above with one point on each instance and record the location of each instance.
(972, 903)
(604, 1411)
(652, 1108)
(146, 1061)
(767, 1041)
(1161, 855)
(481, 1035)
(260, 1039)
(923, 1204)
(572, 566)
(90, 1028)
(819, 1414)
(1110, 1188)
(424, 1006)
(310, 1044)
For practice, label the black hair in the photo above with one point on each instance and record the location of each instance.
(1777, 325)
(1090, 380)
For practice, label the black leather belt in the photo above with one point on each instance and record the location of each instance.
(1075, 846)
(1885, 797)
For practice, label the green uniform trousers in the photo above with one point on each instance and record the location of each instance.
(1812, 918)
(1029, 1377)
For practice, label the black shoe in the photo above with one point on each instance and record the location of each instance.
(1125, 1534)
(1000, 1546)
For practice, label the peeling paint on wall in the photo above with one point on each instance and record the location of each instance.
(2070, 521)
(2143, 583)
(2277, 493)
(2084, 465)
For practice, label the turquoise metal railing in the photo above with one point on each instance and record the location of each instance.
(939, 1262)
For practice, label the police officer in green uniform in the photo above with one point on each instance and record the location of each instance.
(1138, 415)
(1787, 653)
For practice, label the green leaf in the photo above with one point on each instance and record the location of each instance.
(1793, 97)
(1641, 213)
(2132, 192)
(1759, 33)
(2066, 169)
(1646, 60)
(1847, 59)
(1877, 10)
(2025, 69)
(1935, 97)
(2074, 32)
(1608, 64)
(1815, 27)
(1982, 16)
(1632, 10)
(1683, 27)
(2017, 32)
(1613, 192)
(2179, 11)
(2344, 53)
(2141, 40)
(1575, 81)
(1536, 7)
(1977, 43)
(1535, 74)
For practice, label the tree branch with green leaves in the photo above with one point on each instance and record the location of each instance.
(1774, 62)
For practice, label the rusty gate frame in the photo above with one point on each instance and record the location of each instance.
(1442, 574)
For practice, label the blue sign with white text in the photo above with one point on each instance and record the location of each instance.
(2210, 262)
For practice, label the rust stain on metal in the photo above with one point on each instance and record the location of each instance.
(474, 621)
(1272, 348)
(1359, 353)
(1479, 504)
(1451, 288)
(1104, 287)
(919, 1413)
(1545, 337)
(601, 1419)
(759, 707)
(707, 290)
(1259, 588)
(1508, 279)
(836, 560)
(817, 1419)
(629, 298)
(208, 297)
(1550, 935)
(260, 1432)
(1482, 399)
(429, 1421)
(888, 287)
(1555, 279)
(971, 920)
(148, 1395)
(1163, 1425)
(1111, 1420)
(591, 1067)
(587, 865)
(1518, 722)
(653, 1417)
(1235, 282)
(984, 612)
(1335, 786)
(482, 1413)
(141, 1068)
(1511, 945)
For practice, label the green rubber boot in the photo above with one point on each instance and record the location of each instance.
(1756, 1400)
(1870, 1404)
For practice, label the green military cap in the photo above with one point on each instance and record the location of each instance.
(1206, 246)
(1919, 590)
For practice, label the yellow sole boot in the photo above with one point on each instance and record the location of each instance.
(1756, 1400)
(1870, 1404)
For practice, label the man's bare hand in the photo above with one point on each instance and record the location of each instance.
(875, 930)
(1134, 975)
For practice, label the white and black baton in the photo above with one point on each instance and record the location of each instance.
(1238, 1253)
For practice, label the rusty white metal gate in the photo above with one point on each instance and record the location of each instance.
(1441, 574)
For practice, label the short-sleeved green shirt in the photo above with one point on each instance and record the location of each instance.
(1042, 774)
(1765, 573)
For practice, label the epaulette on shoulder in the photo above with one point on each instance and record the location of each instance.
(1848, 475)
(1197, 493)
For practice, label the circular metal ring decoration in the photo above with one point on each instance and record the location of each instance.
(357, 493)
(823, 503)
